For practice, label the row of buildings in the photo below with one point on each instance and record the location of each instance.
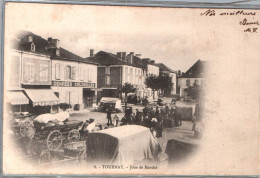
(41, 75)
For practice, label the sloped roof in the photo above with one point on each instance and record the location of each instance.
(41, 47)
(197, 70)
(163, 67)
(106, 58)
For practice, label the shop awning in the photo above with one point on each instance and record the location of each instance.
(17, 98)
(42, 97)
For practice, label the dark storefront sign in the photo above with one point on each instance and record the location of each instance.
(73, 84)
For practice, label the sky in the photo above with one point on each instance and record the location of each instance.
(175, 37)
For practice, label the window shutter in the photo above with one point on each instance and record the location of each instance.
(73, 73)
(82, 77)
(57, 71)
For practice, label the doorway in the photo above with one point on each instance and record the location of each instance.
(88, 97)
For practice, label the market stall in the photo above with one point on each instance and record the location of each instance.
(122, 145)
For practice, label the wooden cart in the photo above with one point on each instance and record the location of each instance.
(54, 136)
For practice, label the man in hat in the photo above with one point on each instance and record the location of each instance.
(109, 112)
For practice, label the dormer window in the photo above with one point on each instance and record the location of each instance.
(57, 52)
(32, 47)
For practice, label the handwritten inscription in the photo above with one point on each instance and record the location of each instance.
(248, 21)
(210, 12)
(251, 30)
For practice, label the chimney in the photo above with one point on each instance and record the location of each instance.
(146, 60)
(131, 57)
(123, 56)
(91, 52)
(138, 55)
(119, 55)
(152, 62)
(30, 38)
(54, 42)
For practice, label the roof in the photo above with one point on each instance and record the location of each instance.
(163, 67)
(42, 47)
(22, 43)
(197, 70)
(106, 58)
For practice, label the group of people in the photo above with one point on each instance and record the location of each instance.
(154, 118)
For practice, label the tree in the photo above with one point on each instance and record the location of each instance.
(165, 83)
(156, 83)
(152, 81)
(195, 91)
(127, 88)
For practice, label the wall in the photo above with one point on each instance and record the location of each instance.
(153, 70)
(174, 81)
(182, 83)
(83, 74)
(13, 79)
(109, 76)
(132, 75)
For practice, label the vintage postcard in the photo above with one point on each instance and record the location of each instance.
(130, 90)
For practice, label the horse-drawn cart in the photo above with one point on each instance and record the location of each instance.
(54, 136)
(50, 130)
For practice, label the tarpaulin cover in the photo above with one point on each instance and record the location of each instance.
(117, 101)
(185, 112)
(42, 97)
(121, 145)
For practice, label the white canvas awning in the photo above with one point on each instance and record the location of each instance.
(17, 98)
(42, 97)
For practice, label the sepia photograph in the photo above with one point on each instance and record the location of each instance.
(130, 90)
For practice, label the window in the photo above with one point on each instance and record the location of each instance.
(131, 75)
(86, 74)
(57, 94)
(90, 75)
(107, 80)
(32, 47)
(70, 73)
(67, 73)
(73, 73)
(196, 82)
(107, 70)
(82, 76)
(188, 82)
(29, 72)
(57, 71)
(44, 72)
(126, 74)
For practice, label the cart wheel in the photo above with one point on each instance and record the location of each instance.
(54, 140)
(25, 127)
(73, 135)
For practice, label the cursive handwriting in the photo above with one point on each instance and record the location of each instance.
(246, 22)
(210, 12)
(251, 30)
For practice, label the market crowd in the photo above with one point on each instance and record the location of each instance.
(155, 118)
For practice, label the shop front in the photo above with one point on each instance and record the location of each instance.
(88, 97)
(75, 95)
(42, 101)
(17, 101)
